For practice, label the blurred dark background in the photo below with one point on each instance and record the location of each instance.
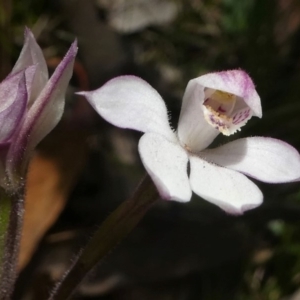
(86, 167)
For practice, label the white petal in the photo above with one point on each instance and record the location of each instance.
(235, 82)
(130, 102)
(193, 130)
(32, 54)
(265, 159)
(228, 189)
(166, 163)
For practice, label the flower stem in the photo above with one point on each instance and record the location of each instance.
(11, 218)
(112, 231)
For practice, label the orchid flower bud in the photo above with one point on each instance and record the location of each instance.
(31, 105)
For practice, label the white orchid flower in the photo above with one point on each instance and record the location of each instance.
(179, 162)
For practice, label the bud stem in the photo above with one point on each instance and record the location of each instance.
(11, 219)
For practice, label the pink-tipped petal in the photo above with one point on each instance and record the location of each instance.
(16, 97)
(228, 189)
(266, 159)
(32, 54)
(166, 163)
(130, 102)
(235, 82)
(213, 103)
(43, 115)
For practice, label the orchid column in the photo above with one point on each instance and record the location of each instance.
(31, 105)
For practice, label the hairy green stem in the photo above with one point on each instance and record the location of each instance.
(11, 219)
(113, 230)
(5, 208)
